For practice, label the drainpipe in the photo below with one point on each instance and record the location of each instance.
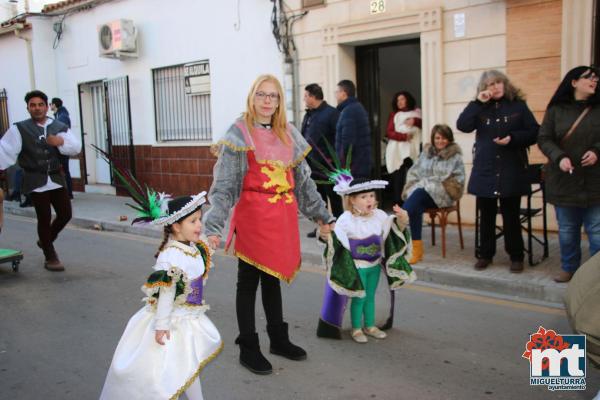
(29, 57)
(295, 67)
(295, 59)
(291, 72)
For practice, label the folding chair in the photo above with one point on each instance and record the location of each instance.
(442, 215)
(536, 179)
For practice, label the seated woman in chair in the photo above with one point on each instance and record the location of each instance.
(435, 181)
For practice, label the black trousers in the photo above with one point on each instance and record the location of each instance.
(64, 161)
(48, 230)
(398, 180)
(326, 192)
(511, 225)
(247, 285)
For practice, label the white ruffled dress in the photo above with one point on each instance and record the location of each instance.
(143, 369)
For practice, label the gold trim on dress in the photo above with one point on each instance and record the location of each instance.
(301, 158)
(158, 283)
(197, 373)
(268, 270)
(233, 146)
(205, 307)
(184, 251)
(208, 263)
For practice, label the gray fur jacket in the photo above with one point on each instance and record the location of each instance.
(440, 173)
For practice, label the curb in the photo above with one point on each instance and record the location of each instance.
(549, 292)
(94, 224)
(521, 290)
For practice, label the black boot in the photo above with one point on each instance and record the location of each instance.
(250, 355)
(281, 345)
(15, 196)
(328, 331)
(27, 202)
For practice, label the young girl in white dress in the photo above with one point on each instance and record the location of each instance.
(170, 340)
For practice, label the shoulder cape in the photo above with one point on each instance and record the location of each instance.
(342, 272)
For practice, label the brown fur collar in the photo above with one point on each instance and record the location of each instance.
(450, 151)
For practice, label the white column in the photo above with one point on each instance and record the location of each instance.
(576, 38)
(431, 80)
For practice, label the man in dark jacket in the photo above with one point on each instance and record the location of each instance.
(61, 114)
(353, 129)
(318, 125)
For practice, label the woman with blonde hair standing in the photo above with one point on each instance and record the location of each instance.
(505, 129)
(262, 174)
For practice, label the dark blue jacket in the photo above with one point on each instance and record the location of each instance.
(499, 171)
(353, 129)
(62, 115)
(317, 125)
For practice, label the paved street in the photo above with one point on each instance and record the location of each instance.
(59, 330)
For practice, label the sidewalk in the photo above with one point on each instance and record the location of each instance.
(102, 212)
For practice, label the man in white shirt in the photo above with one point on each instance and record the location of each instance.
(37, 144)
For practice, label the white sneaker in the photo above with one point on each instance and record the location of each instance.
(358, 336)
(375, 332)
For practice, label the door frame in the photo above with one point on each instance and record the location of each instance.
(368, 90)
(110, 131)
(107, 122)
(339, 61)
(81, 124)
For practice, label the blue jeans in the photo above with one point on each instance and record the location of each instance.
(570, 220)
(416, 204)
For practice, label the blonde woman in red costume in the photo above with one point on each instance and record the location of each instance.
(262, 174)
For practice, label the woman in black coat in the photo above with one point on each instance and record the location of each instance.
(505, 129)
(573, 173)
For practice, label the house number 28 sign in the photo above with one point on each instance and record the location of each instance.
(377, 6)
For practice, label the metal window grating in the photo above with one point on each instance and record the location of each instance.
(179, 117)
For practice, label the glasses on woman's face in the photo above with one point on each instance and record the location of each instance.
(591, 76)
(272, 96)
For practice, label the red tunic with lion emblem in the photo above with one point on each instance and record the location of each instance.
(265, 219)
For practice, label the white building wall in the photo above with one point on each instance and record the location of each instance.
(44, 65)
(169, 33)
(14, 74)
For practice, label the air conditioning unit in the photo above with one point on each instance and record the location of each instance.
(117, 39)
